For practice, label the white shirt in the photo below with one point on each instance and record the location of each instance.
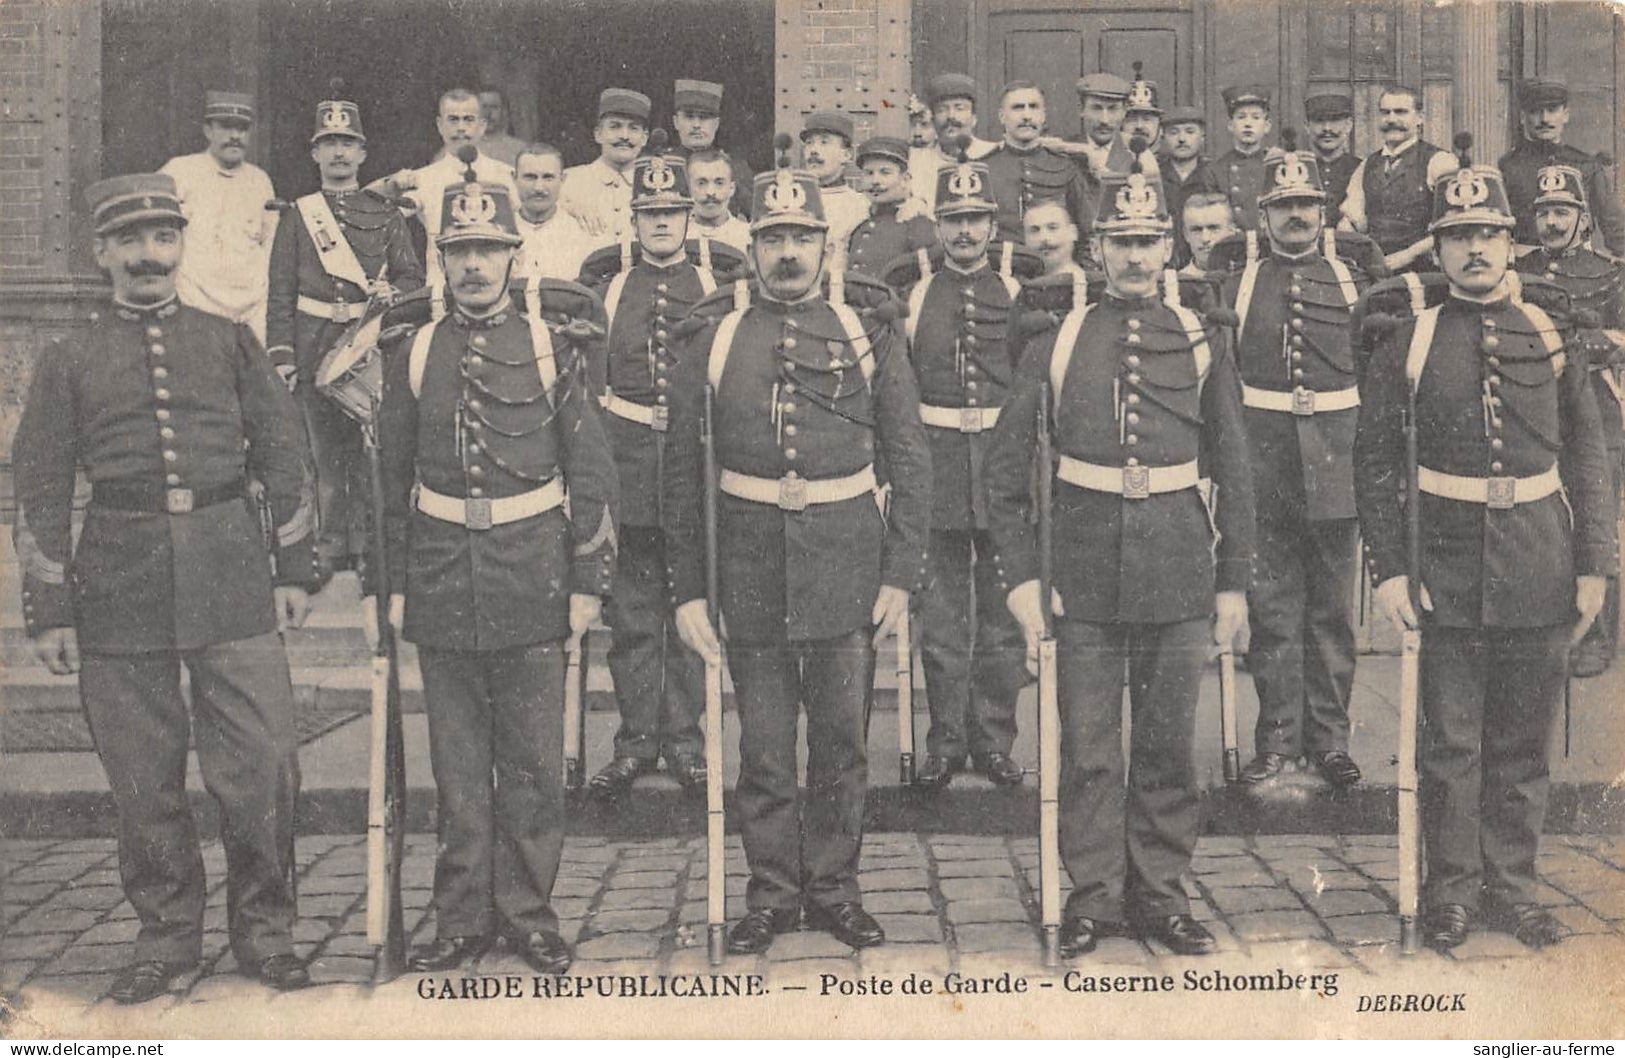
(430, 194)
(555, 248)
(227, 266)
(733, 231)
(925, 162)
(844, 209)
(597, 190)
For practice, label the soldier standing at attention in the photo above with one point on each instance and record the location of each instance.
(486, 427)
(884, 235)
(1241, 169)
(809, 403)
(170, 411)
(1185, 171)
(1543, 114)
(1517, 540)
(1021, 171)
(341, 247)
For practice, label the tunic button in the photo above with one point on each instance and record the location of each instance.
(1297, 375)
(158, 349)
(1493, 361)
(1297, 341)
(790, 430)
(1495, 422)
(1491, 342)
(789, 453)
(970, 402)
(476, 472)
(1131, 439)
(1489, 323)
(161, 394)
(169, 455)
(1495, 381)
(1133, 462)
(154, 332)
(1133, 378)
(1132, 360)
(476, 492)
(473, 449)
(474, 405)
(970, 339)
(1297, 356)
(166, 432)
(1133, 324)
(160, 373)
(1297, 323)
(660, 399)
(789, 387)
(163, 414)
(479, 341)
(1133, 417)
(1495, 467)
(662, 334)
(789, 341)
(1497, 444)
(789, 407)
(661, 383)
(1134, 398)
(1297, 306)
(172, 479)
(660, 303)
(1133, 339)
(661, 287)
(1296, 290)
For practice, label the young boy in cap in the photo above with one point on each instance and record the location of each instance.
(884, 235)
(1241, 168)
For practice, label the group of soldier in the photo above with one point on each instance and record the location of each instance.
(1228, 357)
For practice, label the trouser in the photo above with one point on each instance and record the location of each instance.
(1302, 647)
(242, 719)
(972, 649)
(1602, 638)
(496, 746)
(1126, 845)
(659, 682)
(806, 852)
(343, 491)
(1488, 696)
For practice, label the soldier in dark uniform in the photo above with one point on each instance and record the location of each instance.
(813, 407)
(1241, 169)
(885, 234)
(341, 247)
(1391, 191)
(696, 115)
(173, 414)
(1329, 117)
(1148, 431)
(1543, 113)
(1022, 171)
(1517, 538)
(658, 682)
(1596, 283)
(1295, 296)
(486, 423)
(958, 328)
(1142, 111)
(1185, 171)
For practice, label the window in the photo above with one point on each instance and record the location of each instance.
(1355, 44)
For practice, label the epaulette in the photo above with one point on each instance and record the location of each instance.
(604, 263)
(1390, 301)
(412, 309)
(560, 301)
(724, 261)
(867, 296)
(1229, 254)
(1004, 255)
(1043, 301)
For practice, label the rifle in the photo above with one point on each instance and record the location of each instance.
(716, 900)
(905, 703)
(1227, 712)
(386, 772)
(1410, 665)
(575, 725)
(1049, 713)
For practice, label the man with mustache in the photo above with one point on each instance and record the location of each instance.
(1021, 171)
(826, 147)
(658, 684)
(1149, 573)
(1517, 539)
(1295, 297)
(951, 98)
(169, 411)
(958, 326)
(1329, 117)
(340, 248)
(811, 397)
(1049, 231)
(487, 424)
(886, 234)
(230, 230)
(711, 175)
(696, 116)
(1207, 220)
(922, 132)
(1391, 192)
(1596, 282)
(555, 244)
(1185, 172)
(599, 193)
(1142, 116)
(1543, 116)
(1241, 169)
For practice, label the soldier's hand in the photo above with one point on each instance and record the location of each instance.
(1229, 618)
(584, 611)
(589, 220)
(1060, 146)
(911, 208)
(1023, 605)
(694, 628)
(382, 289)
(292, 606)
(289, 374)
(891, 606)
(1588, 596)
(1393, 600)
(369, 617)
(58, 648)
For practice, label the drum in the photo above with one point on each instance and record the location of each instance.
(352, 372)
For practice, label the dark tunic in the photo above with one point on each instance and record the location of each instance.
(881, 237)
(1019, 178)
(1520, 169)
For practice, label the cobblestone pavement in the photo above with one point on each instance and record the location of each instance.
(948, 903)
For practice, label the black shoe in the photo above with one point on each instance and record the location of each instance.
(284, 972)
(937, 772)
(1336, 767)
(447, 953)
(689, 771)
(1590, 658)
(1181, 933)
(754, 933)
(545, 952)
(616, 778)
(145, 980)
(1000, 769)
(1446, 926)
(1263, 767)
(848, 923)
(1534, 926)
(1080, 934)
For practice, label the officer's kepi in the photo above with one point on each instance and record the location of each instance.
(476, 212)
(1291, 175)
(338, 117)
(1561, 185)
(1132, 203)
(1473, 195)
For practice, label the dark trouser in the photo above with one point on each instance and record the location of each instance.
(343, 497)
(1487, 702)
(973, 650)
(1302, 652)
(808, 851)
(1126, 846)
(659, 682)
(496, 713)
(1602, 638)
(242, 710)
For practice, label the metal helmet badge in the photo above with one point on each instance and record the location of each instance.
(473, 206)
(1467, 189)
(1137, 198)
(784, 195)
(965, 182)
(661, 177)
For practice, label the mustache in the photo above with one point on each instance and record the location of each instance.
(711, 200)
(1298, 223)
(621, 143)
(149, 268)
(473, 282)
(788, 268)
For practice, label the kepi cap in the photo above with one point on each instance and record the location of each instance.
(338, 117)
(702, 96)
(1241, 95)
(228, 106)
(1185, 115)
(950, 86)
(889, 147)
(1537, 93)
(1472, 195)
(1328, 106)
(831, 121)
(1103, 85)
(120, 201)
(625, 102)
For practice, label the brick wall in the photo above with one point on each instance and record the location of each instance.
(848, 55)
(22, 138)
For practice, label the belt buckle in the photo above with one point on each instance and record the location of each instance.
(477, 512)
(660, 418)
(970, 420)
(792, 494)
(1303, 401)
(1136, 483)
(178, 501)
(341, 311)
(1501, 494)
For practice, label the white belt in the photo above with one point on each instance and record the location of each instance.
(1495, 493)
(337, 311)
(482, 512)
(795, 493)
(1131, 483)
(1301, 401)
(965, 420)
(655, 416)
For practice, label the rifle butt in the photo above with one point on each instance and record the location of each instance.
(1049, 788)
(716, 900)
(1410, 821)
(1227, 716)
(905, 703)
(573, 721)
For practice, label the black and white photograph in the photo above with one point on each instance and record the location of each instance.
(802, 519)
